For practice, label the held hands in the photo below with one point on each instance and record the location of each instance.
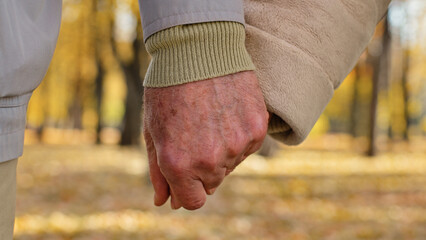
(197, 133)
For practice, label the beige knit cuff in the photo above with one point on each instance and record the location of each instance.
(194, 52)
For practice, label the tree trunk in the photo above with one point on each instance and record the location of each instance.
(132, 118)
(380, 66)
(354, 106)
(99, 90)
(405, 93)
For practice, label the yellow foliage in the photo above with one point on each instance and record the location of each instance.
(338, 106)
(115, 91)
(321, 126)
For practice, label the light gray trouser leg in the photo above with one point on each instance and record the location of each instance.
(7, 198)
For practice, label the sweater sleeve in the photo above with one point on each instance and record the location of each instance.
(194, 52)
(193, 40)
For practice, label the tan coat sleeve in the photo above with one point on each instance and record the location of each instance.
(303, 49)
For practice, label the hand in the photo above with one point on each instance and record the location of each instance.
(197, 133)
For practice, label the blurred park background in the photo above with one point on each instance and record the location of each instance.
(361, 174)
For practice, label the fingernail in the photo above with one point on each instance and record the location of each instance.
(211, 191)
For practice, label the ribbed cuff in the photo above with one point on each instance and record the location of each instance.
(278, 126)
(189, 53)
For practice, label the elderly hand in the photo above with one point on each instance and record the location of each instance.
(197, 133)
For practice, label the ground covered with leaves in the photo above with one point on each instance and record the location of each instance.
(103, 192)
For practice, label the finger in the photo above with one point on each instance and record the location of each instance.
(174, 202)
(213, 180)
(184, 182)
(211, 191)
(189, 192)
(252, 149)
(239, 159)
(228, 171)
(160, 184)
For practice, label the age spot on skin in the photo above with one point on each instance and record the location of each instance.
(173, 112)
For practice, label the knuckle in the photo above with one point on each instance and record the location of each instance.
(174, 170)
(237, 145)
(234, 151)
(194, 204)
(256, 148)
(206, 163)
(259, 128)
(212, 182)
(170, 163)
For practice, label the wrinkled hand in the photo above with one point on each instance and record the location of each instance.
(197, 133)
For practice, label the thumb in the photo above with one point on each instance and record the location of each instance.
(160, 184)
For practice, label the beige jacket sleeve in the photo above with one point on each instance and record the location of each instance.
(303, 50)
